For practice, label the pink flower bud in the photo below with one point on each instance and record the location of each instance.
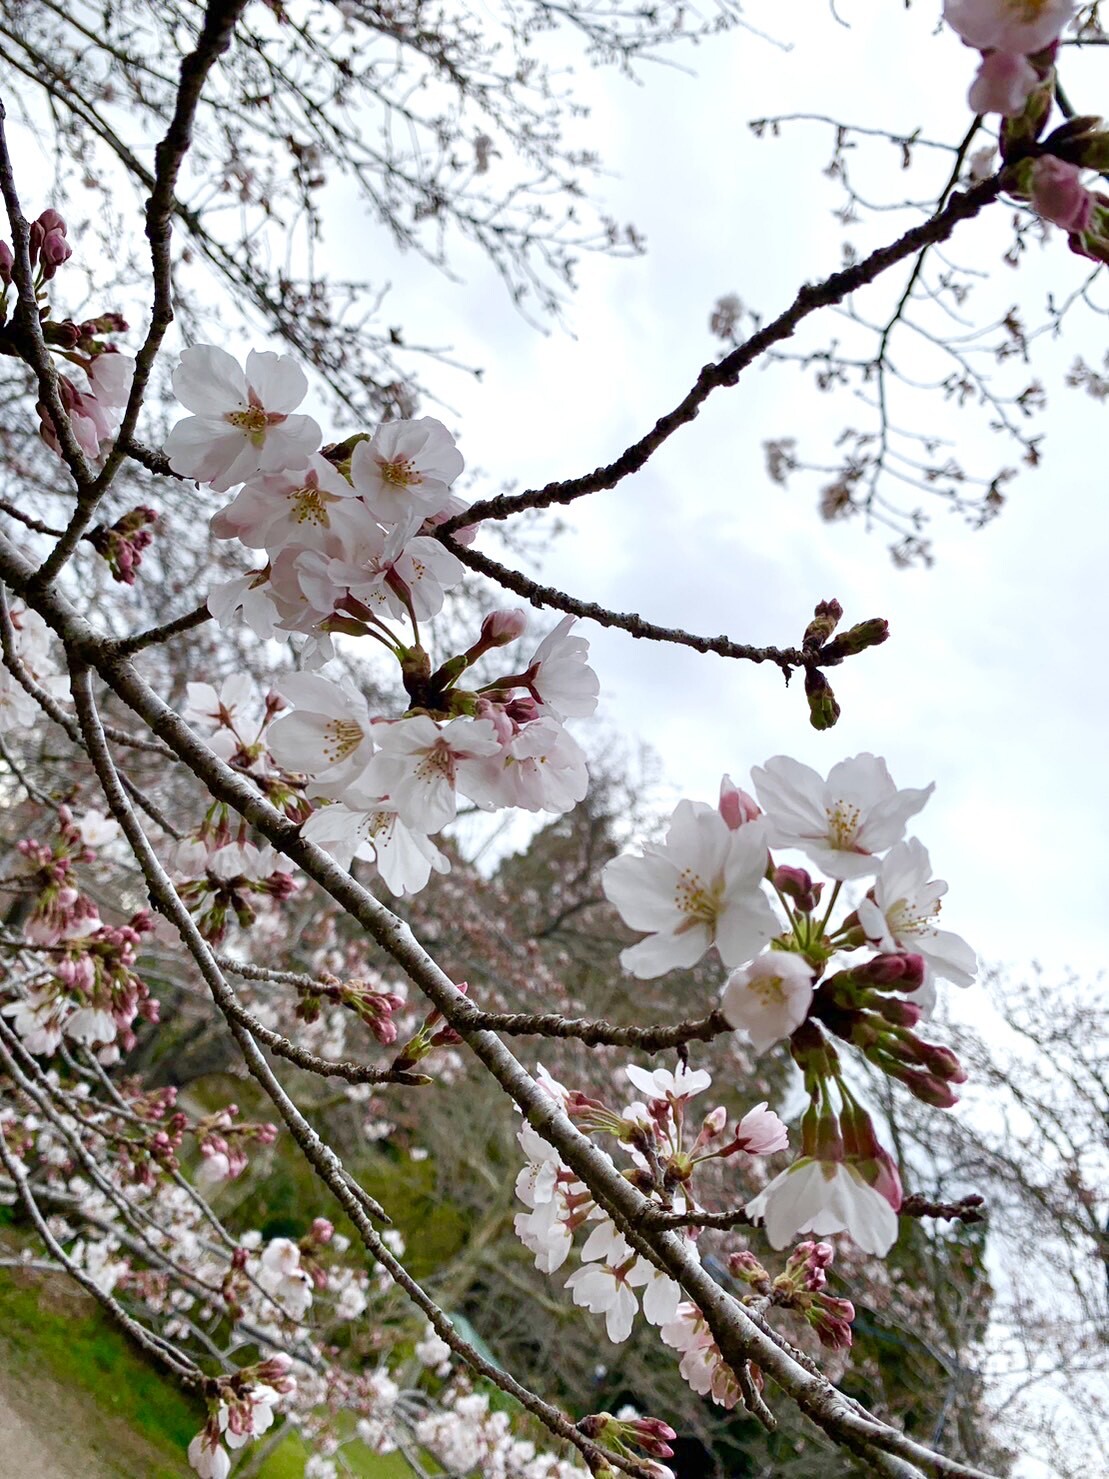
(746, 1267)
(501, 627)
(522, 710)
(54, 251)
(714, 1123)
(736, 807)
(903, 970)
(322, 1230)
(1058, 194)
(6, 262)
(1004, 83)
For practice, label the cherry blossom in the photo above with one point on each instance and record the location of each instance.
(539, 768)
(418, 766)
(559, 676)
(761, 1132)
(392, 569)
(110, 375)
(768, 998)
(840, 823)
(605, 1290)
(546, 1232)
(242, 423)
(252, 595)
(674, 1087)
(282, 1276)
(370, 829)
(208, 1456)
(1058, 194)
(406, 469)
(825, 1197)
(97, 830)
(275, 508)
(906, 901)
(1008, 25)
(699, 888)
(327, 735)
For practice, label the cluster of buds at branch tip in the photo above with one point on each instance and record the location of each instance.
(373, 1007)
(801, 1287)
(821, 645)
(856, 1006)
(122, 543)
(432, 1034)
(630, 1437)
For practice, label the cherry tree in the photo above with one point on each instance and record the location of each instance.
(295, 756)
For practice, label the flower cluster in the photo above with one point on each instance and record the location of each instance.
(349, 548)
(242, 1409)
(88, 990)
(664, 1157)
(710, 884)
(93, 412)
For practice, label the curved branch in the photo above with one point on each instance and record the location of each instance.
(962, 206)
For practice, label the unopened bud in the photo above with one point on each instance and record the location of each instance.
(746, 1267)
(823, 708)
(797, 884)
(857, 639)
(826, 618)
(501, 627)
(899, 968)
(53, 252)
(6, 263)
(736, 807)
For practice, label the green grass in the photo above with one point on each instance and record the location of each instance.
(123, 1406)
(47, 1328)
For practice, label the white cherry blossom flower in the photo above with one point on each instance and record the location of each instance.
(701, 887)
(387, 569)
(541, 768)
(1008, 25)
(769, 998)
(560, 677)
(546, 1233)
(419, 766)
(97, 830)
(291, 506)
(405, 857)
(38, 1019)
(208, 1456)
(824, 1197)
(536, 1182)
(89, 1025)
(253, 596)
(110, 375)
(406, 468)
(660, 1083)
(900, 915)
(205, 705)
(242, 423)
(761, 1132)
(840, 823)
(282, 1277)
(605, 1290)
(661, 1294)
(261, 1401)
(327, 735)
